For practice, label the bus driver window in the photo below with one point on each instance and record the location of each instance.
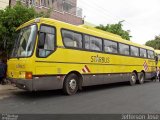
(46, 43)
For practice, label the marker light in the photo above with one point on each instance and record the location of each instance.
(28, 75)
(37, 20)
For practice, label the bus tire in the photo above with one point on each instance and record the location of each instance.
(133, 79)
(141, 78)
(70, 85)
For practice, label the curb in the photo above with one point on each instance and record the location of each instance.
(7, 91)
(7, 87)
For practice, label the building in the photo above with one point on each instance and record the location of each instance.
(63, 10)
(3, 4)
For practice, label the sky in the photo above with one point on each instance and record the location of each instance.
(142, 17)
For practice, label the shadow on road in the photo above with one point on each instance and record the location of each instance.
(39, 94)
(110, 86)
(59, 93)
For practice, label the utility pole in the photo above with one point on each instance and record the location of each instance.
(83, 21)
(9, 3)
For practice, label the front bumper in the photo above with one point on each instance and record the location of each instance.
(40, 83)
(22, 83)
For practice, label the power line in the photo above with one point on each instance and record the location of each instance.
(102, 16)
(114, 17)
(104, 11)
(100, 8)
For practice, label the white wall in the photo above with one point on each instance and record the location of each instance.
(4, 3)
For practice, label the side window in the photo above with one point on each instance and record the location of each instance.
(72, 39)
(143, 53)
(87, 42)
(46, 42)
(93, 43)
(134, 51)
(158, 56)
(123, 49)
(150, 54)
(110, 46)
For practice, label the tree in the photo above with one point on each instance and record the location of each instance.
(154, 43)
(11, 18)
(116, 29)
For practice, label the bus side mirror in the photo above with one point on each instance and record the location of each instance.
(156, 59)
(41, 41)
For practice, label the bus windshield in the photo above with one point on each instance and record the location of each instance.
(24, 42)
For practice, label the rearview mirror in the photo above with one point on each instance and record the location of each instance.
(156, 59)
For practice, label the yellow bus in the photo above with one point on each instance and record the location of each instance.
(157, 52)
(49, 54)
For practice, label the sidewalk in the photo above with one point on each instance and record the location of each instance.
(7, 90)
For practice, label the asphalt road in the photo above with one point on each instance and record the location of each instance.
(111, 98)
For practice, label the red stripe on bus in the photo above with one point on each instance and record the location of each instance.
(87, 68)
(83, 70)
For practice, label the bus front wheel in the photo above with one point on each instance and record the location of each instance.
(70, 85)
(133, 79)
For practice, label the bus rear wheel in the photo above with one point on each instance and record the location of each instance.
(141, 78)
(133, 79)
(70, 85)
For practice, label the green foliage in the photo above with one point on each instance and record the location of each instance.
(116, 29)
(11, 18)
(154, 43)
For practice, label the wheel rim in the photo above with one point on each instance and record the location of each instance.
(133, 78)
(72, 84)
(142, 78)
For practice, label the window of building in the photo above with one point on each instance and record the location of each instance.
(58, 5)
(51, 3)
(45, 3)
(123, 49)
(32, 2)
(68, 7)
(150, 54)
(134, 51)
(143, 53)
(72, 39)
(110, 46)
(24, 1)
(37, 2)
(93, 43)
(46, 43)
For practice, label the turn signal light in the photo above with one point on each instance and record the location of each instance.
(28, 75)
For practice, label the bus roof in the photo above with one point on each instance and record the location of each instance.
(84, 29)
(98, 30)
(157, 51)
